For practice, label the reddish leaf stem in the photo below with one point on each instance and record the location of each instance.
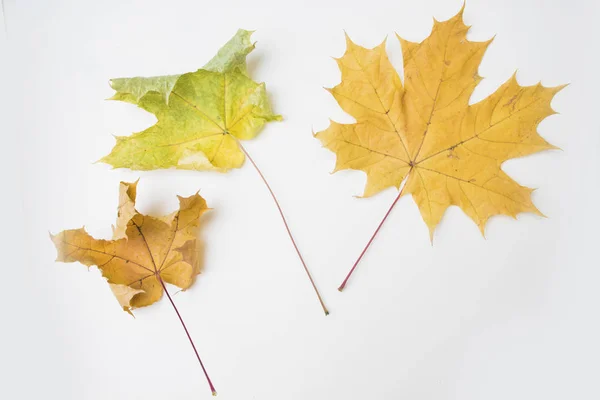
(343, 285)
(312, 282)
(212, 388)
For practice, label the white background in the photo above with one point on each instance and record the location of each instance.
(512, 316)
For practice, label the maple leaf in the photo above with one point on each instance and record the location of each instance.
(202, 117)
(144, 249)
(426, 134)
(145, 252)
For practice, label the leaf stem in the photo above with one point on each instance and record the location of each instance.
(312, 282)
(343, 285)
(212, 388)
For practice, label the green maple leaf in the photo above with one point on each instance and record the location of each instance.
(201, 115)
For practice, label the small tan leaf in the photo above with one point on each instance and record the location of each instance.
(144, 249)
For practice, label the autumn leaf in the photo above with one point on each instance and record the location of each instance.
(201, 115)
(426, 134)
(202, 119)
(145, 252)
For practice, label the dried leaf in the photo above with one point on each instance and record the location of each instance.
(425, 131)
(201, 115)
(144, 249)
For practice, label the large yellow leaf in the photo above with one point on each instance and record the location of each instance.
(425, 132)
(144, 249)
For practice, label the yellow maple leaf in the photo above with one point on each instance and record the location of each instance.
(144, 252)
(425, 132)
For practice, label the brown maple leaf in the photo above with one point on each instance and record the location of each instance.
(145, 252)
